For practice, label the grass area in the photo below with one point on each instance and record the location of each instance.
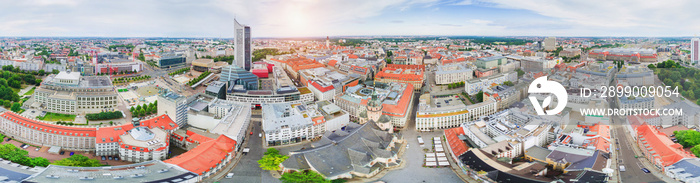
(16, 90)
(57, 117)
(30, 92)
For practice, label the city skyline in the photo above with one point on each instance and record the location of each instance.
(78, 18)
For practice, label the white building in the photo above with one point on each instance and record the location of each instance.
(287, 123)
(174, 105)
(143, 144)
(70, 93)
(476, 85)
(452, 73)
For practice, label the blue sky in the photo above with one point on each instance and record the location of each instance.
(318, 18)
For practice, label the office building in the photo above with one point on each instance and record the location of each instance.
(452, 73)
(235, 75)
(550, 44)
(242, 46)
(396, 101)
(170, 59)
(624, 54)
(412, 74)
(71, 93)
(694, 50)
(173, 105)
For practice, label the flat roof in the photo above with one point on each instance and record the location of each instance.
(149, 171)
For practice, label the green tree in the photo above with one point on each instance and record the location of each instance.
(40, 161)
(271, 160)
(306, 176)
(520, 72)
(78, 161)
(480, 96)
(15, 107)
(696, 150)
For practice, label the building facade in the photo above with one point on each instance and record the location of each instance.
(243, 48)
(70, 93)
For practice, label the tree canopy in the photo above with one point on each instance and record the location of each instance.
(17, 155)
(78, 161)
(307, 176)
(271, 160)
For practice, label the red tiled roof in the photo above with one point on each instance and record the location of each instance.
(163, 122)
(112, 133)
(196, 138)
(49, 128)
(402, 107)
(332, 63)
(663, 148)
(457, 146)
(205, 156)
(321, 88)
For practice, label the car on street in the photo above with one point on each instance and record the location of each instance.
(260, 135)
(622, 168)
(71, 153)
(229, 175)
(251, 133)
(37, 149)
(8, 139)
(646, 170)
(62, 152)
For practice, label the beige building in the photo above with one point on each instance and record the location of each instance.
(71, 93)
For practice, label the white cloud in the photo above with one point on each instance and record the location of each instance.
(618, 14)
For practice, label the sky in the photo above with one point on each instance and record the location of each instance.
(320, 18)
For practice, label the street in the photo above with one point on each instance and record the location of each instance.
(247, 169)
(625, 156)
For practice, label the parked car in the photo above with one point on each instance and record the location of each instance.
(229, 175)
(8, 139)
(37, 149)
(259, 134)
(622, 168)
(646, 170)
(72, 153)
(62, 152)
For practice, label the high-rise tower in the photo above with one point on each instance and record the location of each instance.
(694, 50)
(243, 49)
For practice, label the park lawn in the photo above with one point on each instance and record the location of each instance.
(16, 90)
(58, 117)
(30, 92)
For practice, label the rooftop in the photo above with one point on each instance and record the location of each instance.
(149, 171)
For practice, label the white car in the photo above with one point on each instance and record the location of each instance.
(229, 175)
(260, 135)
